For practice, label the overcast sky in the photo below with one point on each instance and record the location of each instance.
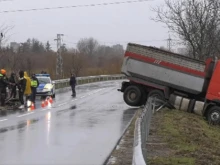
(110, 24)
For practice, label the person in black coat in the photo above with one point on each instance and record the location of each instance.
(13, 87)
(3, 85)
(21, 87)
(73, 84)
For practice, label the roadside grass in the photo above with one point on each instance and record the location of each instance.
(190, 139)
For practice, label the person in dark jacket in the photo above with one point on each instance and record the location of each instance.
(13, 87)
(21, 86)
(34, 85)
(72, 83)
(3, 85)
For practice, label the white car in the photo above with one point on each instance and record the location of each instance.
(46, 86)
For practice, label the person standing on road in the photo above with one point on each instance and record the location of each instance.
(27, 91)
(34, 85)
(72, 83)
(3, 84)
(13, 87)
(21, 87)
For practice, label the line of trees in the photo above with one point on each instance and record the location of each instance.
(88, 58)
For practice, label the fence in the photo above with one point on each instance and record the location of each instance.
(83, 80)
(142, 128)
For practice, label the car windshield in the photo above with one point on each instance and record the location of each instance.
(44, 80)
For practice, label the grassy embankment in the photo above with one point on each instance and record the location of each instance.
(178, 137)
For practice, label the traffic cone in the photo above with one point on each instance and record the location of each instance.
(32, 106)
(46, 102)
(42, 104)
(51, 100)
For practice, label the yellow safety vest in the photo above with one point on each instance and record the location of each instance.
(33, 83)
(2, 76)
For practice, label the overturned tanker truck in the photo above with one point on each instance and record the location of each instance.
(153, 72)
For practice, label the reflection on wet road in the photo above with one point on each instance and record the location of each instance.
(81, 130)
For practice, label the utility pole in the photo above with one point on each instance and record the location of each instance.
(59, 65)
(169, 43)
(1, 36)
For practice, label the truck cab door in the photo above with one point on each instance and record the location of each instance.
(213, 92)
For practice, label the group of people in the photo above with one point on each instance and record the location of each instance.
(26, 87)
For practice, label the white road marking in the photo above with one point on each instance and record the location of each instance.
(62, 104)
(26, 114)
(99, 90)
(3, 120)
(43, 110)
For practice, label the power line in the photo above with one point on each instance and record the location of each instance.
(5, 0)
(74, 6)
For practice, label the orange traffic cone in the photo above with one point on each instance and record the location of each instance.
(46, 102)
(32, 106)
(42, 104)
(51, 100)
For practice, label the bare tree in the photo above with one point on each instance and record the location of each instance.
(78, 62)
(21, 61)
(29, 65)
(4, 34)
(87, 46)
(118, 50)
(13, 59)
(48, 47)
(196, 22)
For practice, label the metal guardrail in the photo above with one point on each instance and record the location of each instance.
(84, 80)
(142, 128)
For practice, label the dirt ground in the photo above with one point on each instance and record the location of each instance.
(178, 137)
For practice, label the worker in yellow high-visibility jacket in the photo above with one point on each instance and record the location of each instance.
(34, 85)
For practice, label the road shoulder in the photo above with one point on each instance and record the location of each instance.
(123, 152)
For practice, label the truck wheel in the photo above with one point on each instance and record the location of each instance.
(132, 95)
(214, 115)
(158, 95)
(191, 105)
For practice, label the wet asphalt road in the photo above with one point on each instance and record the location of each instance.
(78, 131)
